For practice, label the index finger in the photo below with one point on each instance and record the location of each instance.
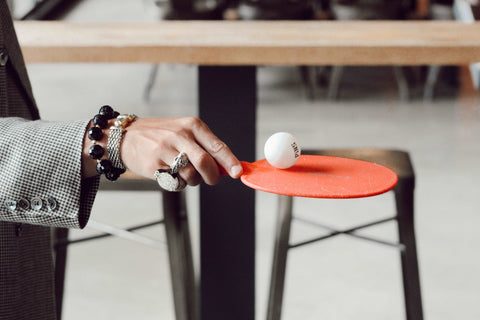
(217, 149)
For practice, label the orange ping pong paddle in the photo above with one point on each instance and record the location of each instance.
(320, 177)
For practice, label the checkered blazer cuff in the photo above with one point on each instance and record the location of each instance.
(40, 173)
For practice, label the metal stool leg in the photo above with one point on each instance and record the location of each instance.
(180, 256)
(279, 262)
(404, 196)
(309, 81)
(60, 234)
(334, 82)
(432, 77)
(402, 83)
(150, 82)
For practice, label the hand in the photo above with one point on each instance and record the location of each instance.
(149, 144)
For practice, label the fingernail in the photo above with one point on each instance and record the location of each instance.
(236, 171)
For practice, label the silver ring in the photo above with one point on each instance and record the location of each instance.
(169, 181)
(179, 162)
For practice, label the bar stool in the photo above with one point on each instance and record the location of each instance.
(311, 76)
(399, 162)
(183, 10)
(370, 10)
(177, 237)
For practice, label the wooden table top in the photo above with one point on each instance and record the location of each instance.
(252, 42)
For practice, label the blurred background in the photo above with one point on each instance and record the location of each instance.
(433, 112)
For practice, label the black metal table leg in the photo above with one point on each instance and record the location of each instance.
(227, 103)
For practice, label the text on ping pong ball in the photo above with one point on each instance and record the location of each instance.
(282, 150)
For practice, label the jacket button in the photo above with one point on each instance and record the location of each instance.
(36, 204)
(51, 204)
(11, 204)
(23, 204)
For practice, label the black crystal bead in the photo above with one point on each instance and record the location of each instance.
(96, 151)
(95, 133)
(116, 114)
(113, 174)
(107, 111)
(100, 120)
(104, 166)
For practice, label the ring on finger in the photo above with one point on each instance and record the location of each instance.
(169, 181)
(179, 162)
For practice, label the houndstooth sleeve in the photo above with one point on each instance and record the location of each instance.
(40, 173)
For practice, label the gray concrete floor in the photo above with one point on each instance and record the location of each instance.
(341, 278)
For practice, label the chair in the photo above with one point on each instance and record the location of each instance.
(288, 10)
(178, 242)
(398, 161)
(182, 10)
(449, 10)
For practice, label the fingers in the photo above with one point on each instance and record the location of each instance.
(206, 152)
(217, 149)
(151, 144)
(203, 164)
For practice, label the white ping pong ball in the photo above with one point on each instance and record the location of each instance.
(282, 150)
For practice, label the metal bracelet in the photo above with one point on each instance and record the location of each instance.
(113, 146)
(115, 138)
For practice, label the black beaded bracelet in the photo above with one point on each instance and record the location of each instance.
(96, 151)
